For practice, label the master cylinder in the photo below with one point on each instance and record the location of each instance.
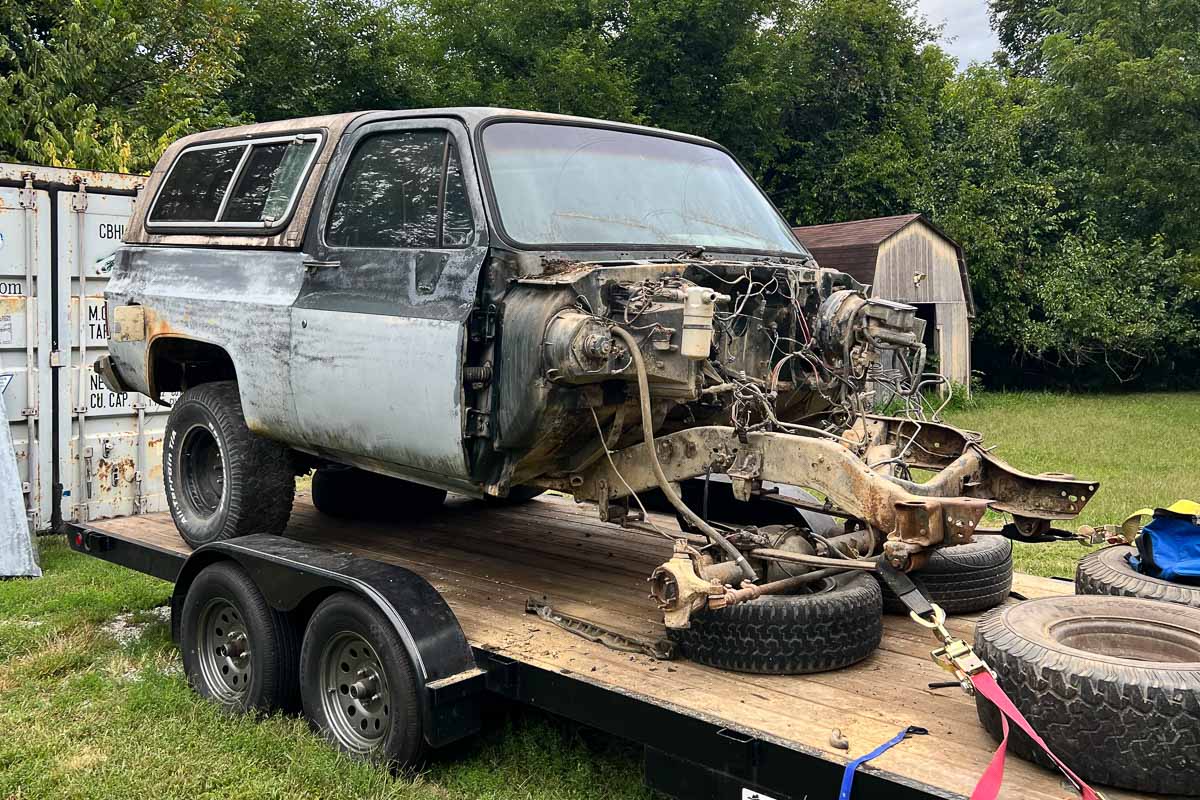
(699, 305)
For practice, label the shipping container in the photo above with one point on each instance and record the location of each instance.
(84, 452)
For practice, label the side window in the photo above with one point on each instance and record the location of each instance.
(196, 186)
(265, 176)
(402, 190)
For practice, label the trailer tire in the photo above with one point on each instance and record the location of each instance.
(221, 480)
(1108, 571)
(838, 625)
(1112, 685)
(351, 493)
(224, 610)
(964, 578)
(358, 685)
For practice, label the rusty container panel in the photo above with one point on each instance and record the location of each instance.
(110, 443)
(25, 342)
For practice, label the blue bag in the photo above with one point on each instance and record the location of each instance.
(1169, 548)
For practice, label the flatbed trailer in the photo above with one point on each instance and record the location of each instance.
(706, 733)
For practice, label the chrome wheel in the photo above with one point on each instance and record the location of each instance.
(354, 692)
(223, 645)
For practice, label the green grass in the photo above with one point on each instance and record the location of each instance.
(84, 716)
(1142, 448)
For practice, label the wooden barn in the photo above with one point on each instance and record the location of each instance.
(908, 259)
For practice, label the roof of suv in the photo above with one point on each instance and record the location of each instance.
(333, 126)
(472, 116)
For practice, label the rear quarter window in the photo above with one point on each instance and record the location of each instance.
(251, 184)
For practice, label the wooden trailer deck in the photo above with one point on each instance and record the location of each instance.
(487, 561)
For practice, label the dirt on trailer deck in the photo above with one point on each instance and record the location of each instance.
(488, 562)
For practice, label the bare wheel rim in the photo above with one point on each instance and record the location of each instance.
(203, 470)
(224, 647)
(354, 692)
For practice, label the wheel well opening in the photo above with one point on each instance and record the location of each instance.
(177, 364)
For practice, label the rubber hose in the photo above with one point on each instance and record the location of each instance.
(639, 366)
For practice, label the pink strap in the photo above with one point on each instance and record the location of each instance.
(988, 787)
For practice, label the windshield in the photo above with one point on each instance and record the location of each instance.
(562, 184)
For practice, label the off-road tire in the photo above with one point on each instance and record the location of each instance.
(257, 483)
(1112, 684)
(273, 638)
(351, 493)
(399, 742)
(963, 579)
(834, 627)
(1108, 571)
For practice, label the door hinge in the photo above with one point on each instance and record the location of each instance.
(79, 200)
(482, 324)
(479, 424)
(25, 195)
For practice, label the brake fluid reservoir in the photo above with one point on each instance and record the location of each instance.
(699, 305)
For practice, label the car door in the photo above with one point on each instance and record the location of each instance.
(379, 328)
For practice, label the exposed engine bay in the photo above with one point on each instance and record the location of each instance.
(623, 379)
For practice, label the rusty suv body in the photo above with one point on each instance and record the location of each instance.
(477, 300)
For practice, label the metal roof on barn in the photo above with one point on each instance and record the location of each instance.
(853, 247)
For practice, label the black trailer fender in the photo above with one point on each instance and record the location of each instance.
(295, 576)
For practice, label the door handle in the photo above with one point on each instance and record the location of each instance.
(312, 265)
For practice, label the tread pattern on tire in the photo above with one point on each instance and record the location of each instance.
(1136, 728)
(1107, 571)
(789, 634)
(261, 495)
(963, 579)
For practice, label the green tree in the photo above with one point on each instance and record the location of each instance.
(546, 55)
(309, 57)
(107, 84)
(862, 78)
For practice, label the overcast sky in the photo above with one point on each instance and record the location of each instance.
(967, 35)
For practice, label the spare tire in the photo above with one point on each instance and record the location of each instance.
(964, 578)
(1111, 683)
(1108, 571)
(838, 624)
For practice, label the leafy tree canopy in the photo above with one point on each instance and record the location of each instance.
(1069, 168)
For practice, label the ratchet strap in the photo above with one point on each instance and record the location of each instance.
(975, 677)
(852, 767)
(988, 786)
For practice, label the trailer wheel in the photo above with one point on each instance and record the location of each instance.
(1111, 683)
(236, 649)
(358, 685)
(838, 624)
(964, 578)
(223, 481)
(1108, 571)
(351, 493)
